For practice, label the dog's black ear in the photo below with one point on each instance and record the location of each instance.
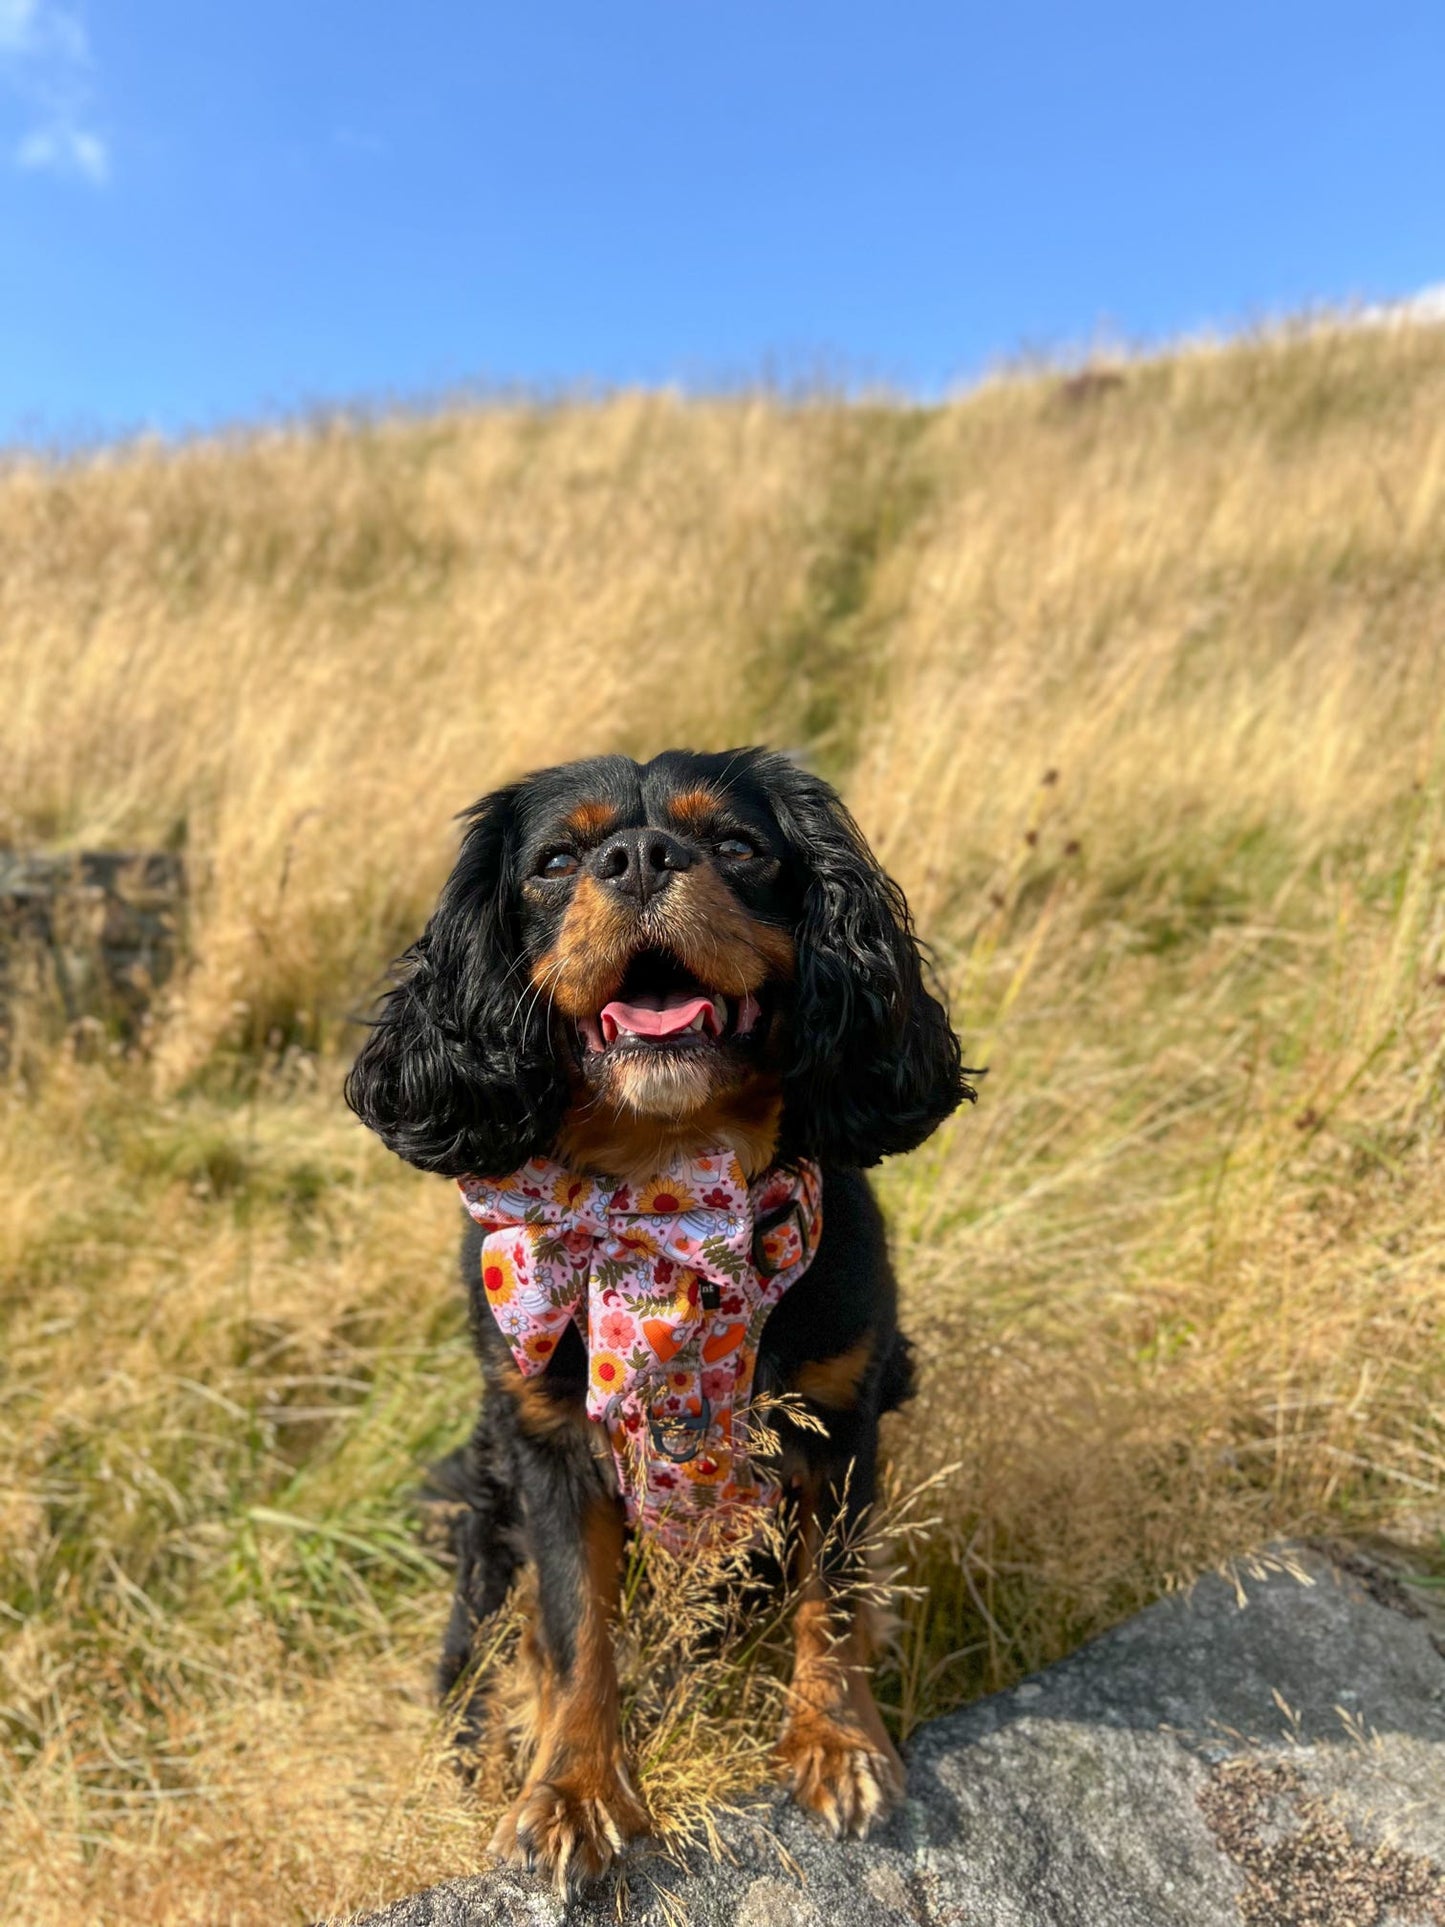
(874, 1065)
(458, 1074)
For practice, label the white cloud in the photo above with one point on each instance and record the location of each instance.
(17, 18)
(46, 65)
(65, 150)
(39, 30)
(1426, 308)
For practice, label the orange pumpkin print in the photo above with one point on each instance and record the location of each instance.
(721, 1344)
(663, 1338)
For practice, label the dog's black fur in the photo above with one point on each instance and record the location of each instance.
(472, 1067)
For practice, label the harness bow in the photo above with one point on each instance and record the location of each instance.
(670, 1284)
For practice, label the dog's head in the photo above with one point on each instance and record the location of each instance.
(627, 957)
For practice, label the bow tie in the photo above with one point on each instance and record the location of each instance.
(670, 1283)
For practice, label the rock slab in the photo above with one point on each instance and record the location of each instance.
(1267, 1752)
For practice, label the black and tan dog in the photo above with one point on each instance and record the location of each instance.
(632, 963)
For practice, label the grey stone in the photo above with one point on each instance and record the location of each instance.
(86, 940)
(1268, 1750)
(771, 1902)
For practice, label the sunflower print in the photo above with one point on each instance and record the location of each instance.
(608, 1373)
(627, 1265)
(499, 1278)
(669, 1196)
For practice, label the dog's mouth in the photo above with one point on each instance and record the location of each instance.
(660, 1006)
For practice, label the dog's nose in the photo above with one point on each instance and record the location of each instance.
(639, 863)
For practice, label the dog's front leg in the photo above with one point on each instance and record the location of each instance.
(835, 1753)
(577, 1808)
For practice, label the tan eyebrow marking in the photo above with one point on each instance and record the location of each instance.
(694, 808)
(590, 819)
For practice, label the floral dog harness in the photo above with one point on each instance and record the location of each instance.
(670, 1284)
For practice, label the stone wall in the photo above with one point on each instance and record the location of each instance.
(86, 941)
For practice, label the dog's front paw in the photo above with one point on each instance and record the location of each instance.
(569, 1831)
(833, 1770)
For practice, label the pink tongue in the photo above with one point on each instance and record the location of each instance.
(660, 1016)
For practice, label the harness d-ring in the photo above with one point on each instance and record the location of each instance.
(679, 1436)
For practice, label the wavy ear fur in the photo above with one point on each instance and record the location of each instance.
(875, 1065)
(458, 1073)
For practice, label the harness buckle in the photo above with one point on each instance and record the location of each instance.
(762, 1263)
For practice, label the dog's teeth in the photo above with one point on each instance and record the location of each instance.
(720, 1014)
(698, 1021)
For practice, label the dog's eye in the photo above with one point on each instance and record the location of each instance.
(557, 863)
(736, 848)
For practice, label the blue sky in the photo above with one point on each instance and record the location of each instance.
(214, 211)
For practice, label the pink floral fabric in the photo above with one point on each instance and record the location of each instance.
(670, 1284)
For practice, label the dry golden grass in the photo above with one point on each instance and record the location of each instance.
(1139, 693)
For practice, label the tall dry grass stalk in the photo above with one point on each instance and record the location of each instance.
(1139, 692)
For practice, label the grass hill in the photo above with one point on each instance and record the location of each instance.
(1138, 687)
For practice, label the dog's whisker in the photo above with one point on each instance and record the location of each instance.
(534, 989)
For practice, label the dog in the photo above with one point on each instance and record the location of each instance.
(661, 1019)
